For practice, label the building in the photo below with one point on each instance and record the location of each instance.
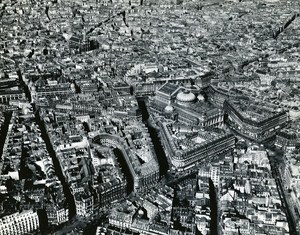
(248, 199)
(10, 89)
(108, 181)
(287, 139)
(111, 192)
(45, 88)
(255, 121)
(291, 171)
(6, 96)
(218, 94)
(187, 147)
(123, 217)
(19, 223)
(57, 215)
(186, 105)
(145, 173)
(211, 171)
(84, 204)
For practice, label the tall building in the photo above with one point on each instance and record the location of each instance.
(84, 204)
(19, 223)
(110, 192)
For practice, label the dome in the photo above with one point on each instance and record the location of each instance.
(169, 109)
(141, 212)
(185, 96)
(200, 97)
(40, 82)
(26, 110)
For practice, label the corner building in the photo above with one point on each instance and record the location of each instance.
(144, 175)
(186, 153)
(254, 122)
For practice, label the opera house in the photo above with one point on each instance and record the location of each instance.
(185, 105)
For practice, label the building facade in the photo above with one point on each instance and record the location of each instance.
(144, 175)
(185, 105)
(19, 223)
(182, 158)
(252, 127)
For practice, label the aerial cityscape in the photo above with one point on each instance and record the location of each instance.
(176, 117)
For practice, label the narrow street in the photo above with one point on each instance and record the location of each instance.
(69, 196)
(291, 220)
(67, 192)
(214, 208)
(4, 129)
(161, 156)
(125, 170)
(274, 159)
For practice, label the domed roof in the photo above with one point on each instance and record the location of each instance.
(200, 97)
(185, 96)
(141, 212)
(169, 109)
(40, 82)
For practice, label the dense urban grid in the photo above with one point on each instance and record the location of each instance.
(175, 117)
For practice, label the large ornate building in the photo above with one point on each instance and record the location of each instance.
(185, 105)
